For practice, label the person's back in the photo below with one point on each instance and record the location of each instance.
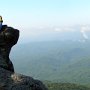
(8, 37)
(1, 21)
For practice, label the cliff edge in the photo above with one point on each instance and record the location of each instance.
(13, 81)
(9, 80)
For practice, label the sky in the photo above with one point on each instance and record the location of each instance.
(27, 14)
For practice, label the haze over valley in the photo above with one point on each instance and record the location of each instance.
(62, 60)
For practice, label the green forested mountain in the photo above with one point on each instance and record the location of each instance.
(58, 61)
(65, 86)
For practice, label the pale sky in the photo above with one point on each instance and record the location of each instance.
(25, 14)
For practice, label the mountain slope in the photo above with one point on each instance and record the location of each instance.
(63, 61)
(65, 86)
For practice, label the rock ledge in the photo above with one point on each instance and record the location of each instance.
(14, 81)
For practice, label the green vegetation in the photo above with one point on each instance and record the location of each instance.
(64, 62)
(65, 86)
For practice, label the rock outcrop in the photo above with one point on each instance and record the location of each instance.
(8, 38)
(13, 81)
(9, 80)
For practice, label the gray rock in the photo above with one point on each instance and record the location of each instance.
(9, 80)
(14, 81)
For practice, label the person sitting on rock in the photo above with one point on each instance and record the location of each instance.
(1, 21)
(8, 37)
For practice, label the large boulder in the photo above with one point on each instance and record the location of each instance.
(9, 80)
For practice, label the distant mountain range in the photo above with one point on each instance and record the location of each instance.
(58, 61)
(75, 33)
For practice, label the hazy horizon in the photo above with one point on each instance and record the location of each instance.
(37, 19)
